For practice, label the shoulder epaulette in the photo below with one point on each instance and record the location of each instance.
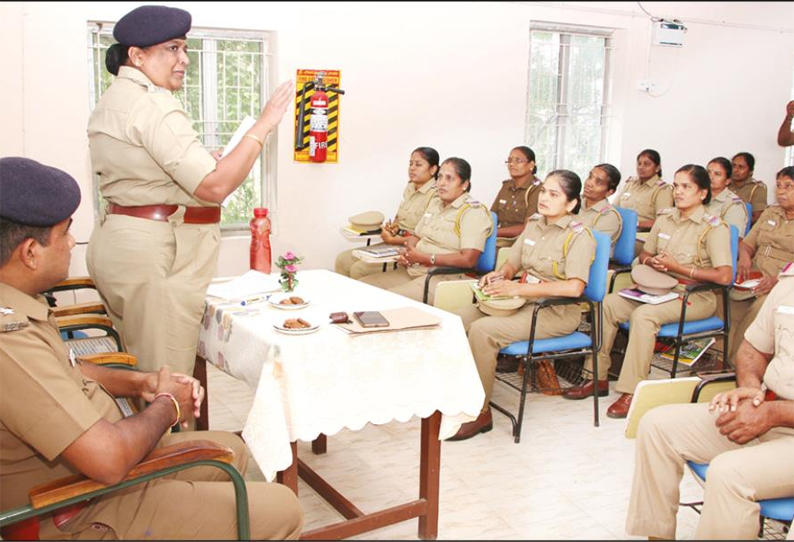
(712, 220)
(606, 210)
(536, 181)
(536, 216)
(737, 199)
(9, 321)
(577, 227)
(666, 211)
(473, 202)
(660, 182)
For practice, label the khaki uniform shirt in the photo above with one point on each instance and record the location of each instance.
(772, 332)
(439, 232)
(540, 249)
(753, 192)
(772, 237)
(602, 216)
(730, 208)
(143, 145)
(514, 205)
(702, 240)
(414, 205)
(46, 403)
(646, 198)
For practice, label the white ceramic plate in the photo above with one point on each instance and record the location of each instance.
(275, 300)
(304, 331)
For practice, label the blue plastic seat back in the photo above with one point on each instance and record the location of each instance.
(780, 509)
(749, 217)
(734, 250)
(597, 279)
(624, 246)
(487, 260)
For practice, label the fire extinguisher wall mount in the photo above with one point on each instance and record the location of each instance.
(318, 121)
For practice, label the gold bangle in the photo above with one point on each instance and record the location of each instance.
(176, 405)
(252, 136)
(692, 273)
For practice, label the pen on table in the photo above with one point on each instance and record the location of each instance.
(253, 299)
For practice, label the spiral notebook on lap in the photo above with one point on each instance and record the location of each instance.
(638, 295)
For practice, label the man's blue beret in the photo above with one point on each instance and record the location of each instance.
(34, 194)
(150, 25)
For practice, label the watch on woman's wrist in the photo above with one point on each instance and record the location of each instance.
(432, 259)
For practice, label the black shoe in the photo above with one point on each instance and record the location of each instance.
(506, 364)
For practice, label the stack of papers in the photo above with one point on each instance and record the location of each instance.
(638, 295)
(380, 252)
(245, 286)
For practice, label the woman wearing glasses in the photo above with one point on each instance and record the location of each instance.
(765, 251)
(517, 200)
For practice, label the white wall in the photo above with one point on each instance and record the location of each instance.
(449, 75)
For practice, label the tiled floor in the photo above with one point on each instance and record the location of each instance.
(566, 479)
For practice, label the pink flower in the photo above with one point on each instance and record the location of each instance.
(289, 256)
(291, 268)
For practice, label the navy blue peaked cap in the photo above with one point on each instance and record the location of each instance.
(34, 194)
(150, 25)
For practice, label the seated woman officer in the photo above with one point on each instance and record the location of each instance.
(422, 172)
(554, 252)
(763, 254)
(724, 203)
(452, 232)
(646, 193)
(597, 213)
(685, 243)
(517, 200)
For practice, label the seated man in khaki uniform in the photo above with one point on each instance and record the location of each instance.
(58, 417)
(746, 435)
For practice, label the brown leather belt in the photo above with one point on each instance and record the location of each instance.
(193, 215)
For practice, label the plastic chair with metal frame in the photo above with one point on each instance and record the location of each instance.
(685, 330)
(575, 344)
(485, 263)
(623, 254)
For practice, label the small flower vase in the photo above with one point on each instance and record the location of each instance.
(288, 282)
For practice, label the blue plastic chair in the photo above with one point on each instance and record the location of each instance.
(623, 254)
(749, 207)
(575, 344)
(485, 263)
(684, 330)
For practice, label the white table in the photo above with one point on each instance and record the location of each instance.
(312, 385)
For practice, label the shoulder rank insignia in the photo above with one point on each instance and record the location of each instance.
(536, 181)
(536, 216)
(660, 182)
(606, 210)
(667, 211)
(473, 202)
(577, 227)
(5, 311)
(712, 220)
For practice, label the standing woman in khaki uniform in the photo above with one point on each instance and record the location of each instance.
(554, 252)
(154, 249)
(517, 200)
(646, 193)
(452, 232)
(767, 249)
(685, 243)
(724, 203)
(597, 213)
(745, 186)
(422, 173)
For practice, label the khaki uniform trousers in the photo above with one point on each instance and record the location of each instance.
(738, 475)
(152, 276)
(400, 282)
(489, 334)
(645, 320)
(742, 315)
(195, 504)
(348, 265)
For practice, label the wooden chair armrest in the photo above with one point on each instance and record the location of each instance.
(159, 459)
(93, 307)
(74, 283)
(111, 358)
(84, 320)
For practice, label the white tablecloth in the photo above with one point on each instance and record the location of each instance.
(328, 380)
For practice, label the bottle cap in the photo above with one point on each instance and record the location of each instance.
(260, 212)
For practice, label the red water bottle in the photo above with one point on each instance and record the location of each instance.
(260, 240)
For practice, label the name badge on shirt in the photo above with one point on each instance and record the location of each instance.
(428, 215)
(771, 222)
(783, 309)
(502, 201)
(664, 236)
(529, 242)
(625, 195)
(72, 358)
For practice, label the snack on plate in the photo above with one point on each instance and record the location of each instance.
(292, 300)
(296, 323)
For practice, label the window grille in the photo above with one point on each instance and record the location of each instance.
(228, 78)
(568, 97)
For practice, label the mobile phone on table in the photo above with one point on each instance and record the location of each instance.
(370, 319)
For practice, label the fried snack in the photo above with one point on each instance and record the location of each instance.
(297, 300)
(286, 301)
(296, 323)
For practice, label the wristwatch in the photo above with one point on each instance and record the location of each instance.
(432, 259)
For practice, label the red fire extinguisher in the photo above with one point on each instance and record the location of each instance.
(318, 126)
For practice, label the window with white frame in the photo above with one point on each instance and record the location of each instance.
(568, 97)
(228, 78)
